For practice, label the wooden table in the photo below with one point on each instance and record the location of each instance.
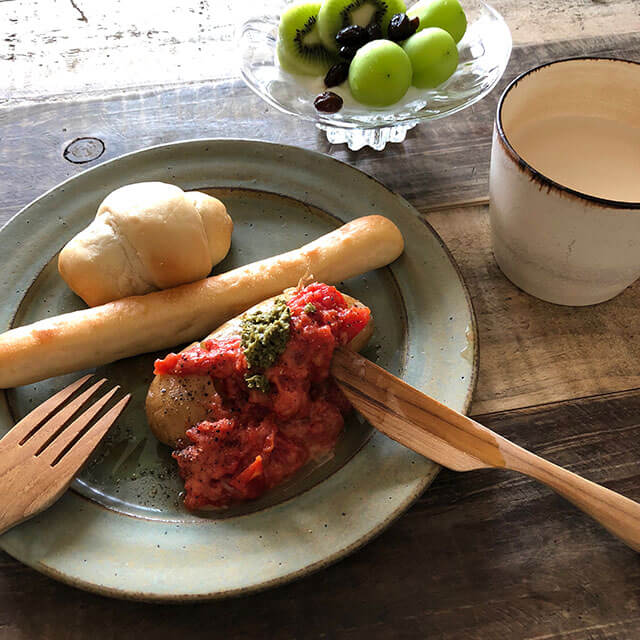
(482, 555)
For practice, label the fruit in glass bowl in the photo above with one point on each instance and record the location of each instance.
(483, 54)
(316, 38)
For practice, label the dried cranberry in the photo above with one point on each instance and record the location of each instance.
(347, 53)
(375, 31)
(402, 27)
(337, 74)
(352, 36)
(328, 102)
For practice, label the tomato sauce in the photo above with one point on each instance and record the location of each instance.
(253, 440)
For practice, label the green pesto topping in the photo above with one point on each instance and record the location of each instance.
(264, 337)
(258, 381)
(309, 307)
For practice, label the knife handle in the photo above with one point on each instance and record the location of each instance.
(617, 514)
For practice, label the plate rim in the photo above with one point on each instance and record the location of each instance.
(401, 508)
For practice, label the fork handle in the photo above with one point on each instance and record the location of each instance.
(617, 514)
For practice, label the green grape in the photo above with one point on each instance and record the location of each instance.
(380, 73)
(433, 55)
(446, 14)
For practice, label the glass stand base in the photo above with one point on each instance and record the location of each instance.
(375, 138)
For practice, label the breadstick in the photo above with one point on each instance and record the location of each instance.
(139, 324)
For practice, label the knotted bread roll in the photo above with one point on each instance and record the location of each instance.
(146, 236)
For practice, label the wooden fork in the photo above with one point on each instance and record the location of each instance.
(39, 457)
(462, 444)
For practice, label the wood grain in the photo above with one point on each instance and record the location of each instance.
(457, 442)
(49, 454)
(439, 165)
(533, 351)
(482, 555)
(414, 419)
(64, 47)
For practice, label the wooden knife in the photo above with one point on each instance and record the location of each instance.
(455, 441)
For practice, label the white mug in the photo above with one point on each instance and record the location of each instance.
(565, 180)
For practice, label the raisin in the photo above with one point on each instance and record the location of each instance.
(402, 27)
(352, 36)
(328, 102)
(337, 74)
(347, 53)
(375, 31)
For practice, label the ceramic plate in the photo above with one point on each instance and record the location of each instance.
(121, 529)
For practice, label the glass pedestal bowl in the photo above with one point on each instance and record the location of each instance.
(484, 52)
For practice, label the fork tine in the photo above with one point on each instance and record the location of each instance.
(77, 455)
(42, 412)
(37, 440)
(65, 438)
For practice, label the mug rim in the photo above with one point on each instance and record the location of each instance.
(536, 175)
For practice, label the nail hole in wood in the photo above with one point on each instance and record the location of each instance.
(83, 150)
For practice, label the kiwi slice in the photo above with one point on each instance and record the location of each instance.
(337, 14)
(299, 47)
(288, 62)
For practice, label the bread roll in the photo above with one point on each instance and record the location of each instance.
(146, 236)
(175, 403)
(162, 319)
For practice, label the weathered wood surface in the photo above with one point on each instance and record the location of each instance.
(56, 47)
(440, 164)
(484, 555)
(533, 351)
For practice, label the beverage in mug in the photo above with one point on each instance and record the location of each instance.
(565, 180)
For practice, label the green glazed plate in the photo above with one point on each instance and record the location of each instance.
(121, 530)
